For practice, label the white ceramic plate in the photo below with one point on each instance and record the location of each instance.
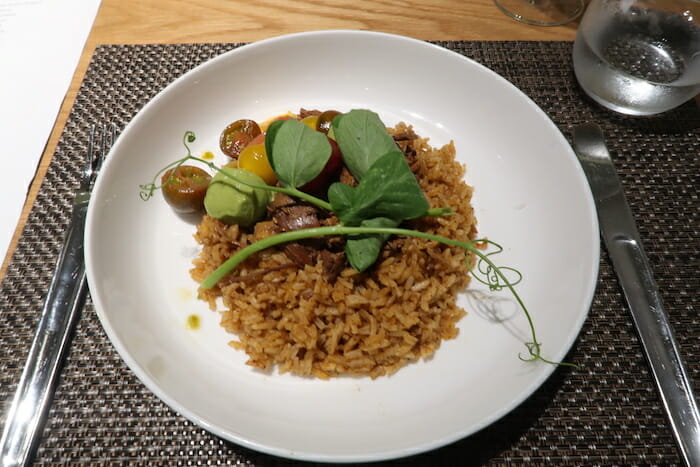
(531, 196)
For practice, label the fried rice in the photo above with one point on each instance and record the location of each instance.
(368, 323)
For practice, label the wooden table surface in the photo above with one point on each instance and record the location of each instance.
(184, 21)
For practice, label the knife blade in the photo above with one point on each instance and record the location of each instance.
(622, 241)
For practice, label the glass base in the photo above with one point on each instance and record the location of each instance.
(542, 12)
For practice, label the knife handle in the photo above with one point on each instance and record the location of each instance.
(656, 336)
(64, 301)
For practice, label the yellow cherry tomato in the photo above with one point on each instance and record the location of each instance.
(310, 121)
(254, 159)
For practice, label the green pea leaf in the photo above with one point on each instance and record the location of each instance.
(296, 153)
(362, 138)
(399, 196)
(362, 251)
(341, 198)
(389, 190)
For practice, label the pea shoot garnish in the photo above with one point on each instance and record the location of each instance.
(386, 195)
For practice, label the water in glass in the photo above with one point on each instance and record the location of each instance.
(637, 60)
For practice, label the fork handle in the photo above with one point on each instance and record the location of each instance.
(64, 301)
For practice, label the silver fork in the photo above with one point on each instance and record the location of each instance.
(62, 307)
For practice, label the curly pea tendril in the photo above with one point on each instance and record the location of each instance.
(484, 270)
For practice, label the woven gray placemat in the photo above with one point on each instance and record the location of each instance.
(607, 413)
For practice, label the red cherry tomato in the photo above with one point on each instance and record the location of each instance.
(329, 173)
(184, 189)
(260, 139)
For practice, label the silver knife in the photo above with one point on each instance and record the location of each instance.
(65, 299)
(619, 233)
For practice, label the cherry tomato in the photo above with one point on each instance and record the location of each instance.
(254, 159)
(238, 135)
(310, 121)
(185, 187)
(260, 139)
(323, 124)
(329, 173)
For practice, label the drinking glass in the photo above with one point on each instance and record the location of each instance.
(639, 57)
(542, 12)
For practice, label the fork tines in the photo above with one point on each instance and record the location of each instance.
(96, 154)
